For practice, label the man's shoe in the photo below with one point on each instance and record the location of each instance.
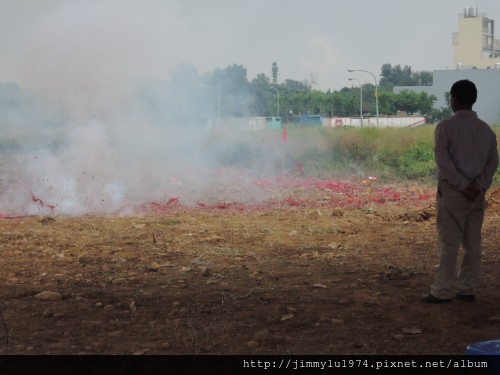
(429, 298)
(465, 297)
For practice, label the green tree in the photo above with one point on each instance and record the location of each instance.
(295, 98)
(425, 103)
(413, 102)
(260, 104)
(403, 76)
(291, 85)
(442, 113)
(257, 98)
(424, 78)
(274, 73)
(342, 103)
(233, 88)
(386, 103)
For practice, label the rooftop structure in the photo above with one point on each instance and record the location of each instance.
(474, 45)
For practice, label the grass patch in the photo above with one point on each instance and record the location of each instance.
(391, 154)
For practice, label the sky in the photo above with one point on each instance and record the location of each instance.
(64, 44)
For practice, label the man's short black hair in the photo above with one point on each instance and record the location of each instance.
(464, 91)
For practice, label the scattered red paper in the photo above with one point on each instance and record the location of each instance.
(278, 191)
(37, 200)
(172, 200)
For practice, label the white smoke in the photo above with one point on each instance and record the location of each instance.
(102, 151)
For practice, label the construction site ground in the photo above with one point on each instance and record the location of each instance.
(310, 273)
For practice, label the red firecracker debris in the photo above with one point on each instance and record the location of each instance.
(172, 200)
(37, 200)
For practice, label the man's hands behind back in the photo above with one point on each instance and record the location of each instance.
(472, 191)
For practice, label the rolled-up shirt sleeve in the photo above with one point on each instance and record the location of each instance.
(446, 167)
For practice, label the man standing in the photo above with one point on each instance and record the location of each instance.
(465, 149)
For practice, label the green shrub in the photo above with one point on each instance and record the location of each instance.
(417, 161)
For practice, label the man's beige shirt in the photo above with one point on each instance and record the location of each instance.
(465, 148)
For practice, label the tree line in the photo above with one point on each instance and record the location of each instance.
(190, 99)
(226, 92)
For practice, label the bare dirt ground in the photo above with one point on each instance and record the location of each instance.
(308, 274)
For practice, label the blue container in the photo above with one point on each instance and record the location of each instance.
(273, 122)
(491, 349)
(311, 120)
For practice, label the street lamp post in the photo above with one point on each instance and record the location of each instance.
(360, 99)
(278, 96)
(376, 87)
(284, 132)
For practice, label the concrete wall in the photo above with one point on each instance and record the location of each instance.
(487, 82)
(238, 123)
(383, 121)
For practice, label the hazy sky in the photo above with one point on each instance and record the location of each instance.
(68, 44)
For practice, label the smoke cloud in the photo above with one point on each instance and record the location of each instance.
(106, 118)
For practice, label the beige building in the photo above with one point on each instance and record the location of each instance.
(474, 45)
(477, 58)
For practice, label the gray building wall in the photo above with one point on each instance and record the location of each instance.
(487, 82)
